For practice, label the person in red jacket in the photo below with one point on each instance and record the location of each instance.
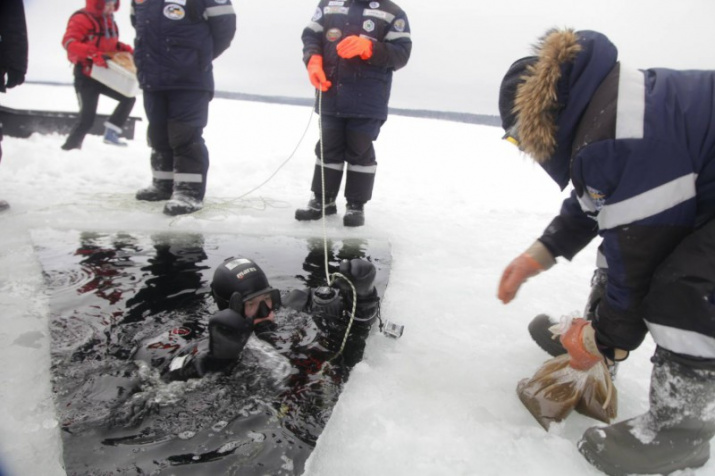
(91, 38)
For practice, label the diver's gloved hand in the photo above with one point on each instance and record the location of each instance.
(528, 264)
(228, 333)
(187, 366)
(362, 274)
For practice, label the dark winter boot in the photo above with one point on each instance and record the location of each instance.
(314, 210)
(182, 203)
(72, 143)
(674, 434)
(354, 215)
(4, 205)
(157, 191)
(540, 325)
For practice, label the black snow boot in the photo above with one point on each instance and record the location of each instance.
(674, 434)
(540, 325)
(314, 210)
(354, 215)
(4, 205)
(157, 191)
(182, 203)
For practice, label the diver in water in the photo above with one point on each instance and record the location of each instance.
(247, 304)
(246, 301)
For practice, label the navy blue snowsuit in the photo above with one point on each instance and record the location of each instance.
(355, 107)
(175, 45)
(639, 148)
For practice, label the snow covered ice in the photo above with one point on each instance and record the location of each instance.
(455, 202)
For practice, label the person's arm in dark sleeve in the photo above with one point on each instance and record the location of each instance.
(394, 51)
(222, 22)
(571, 231)
(13, 41)
(312, 36)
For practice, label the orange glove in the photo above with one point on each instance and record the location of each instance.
(316, 73)
(580, 342)
(522, 268)
(353, 46)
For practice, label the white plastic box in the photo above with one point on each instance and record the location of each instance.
(116, 77)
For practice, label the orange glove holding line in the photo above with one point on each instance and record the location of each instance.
(353, 46)
(316, 73)
(530, 263)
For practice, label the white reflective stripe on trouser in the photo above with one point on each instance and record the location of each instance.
(363, 169)
(339, 167)
(188, 178)
(682, 342)
(161, 175)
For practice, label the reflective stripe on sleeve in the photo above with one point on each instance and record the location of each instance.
(631, 104)
(315, 26)
(188, 178)
(218, 11)
(393, 35)
(681, 341)
(648, 203)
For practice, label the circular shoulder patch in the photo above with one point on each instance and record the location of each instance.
(333, 34)
(400, 25)
(374, 4)
(174, 12)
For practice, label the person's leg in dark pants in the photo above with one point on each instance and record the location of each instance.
(679, 424)
(156, 106)
(87, 90)
(331, 147)
(187, 116)
(362, 165)
(119, 117)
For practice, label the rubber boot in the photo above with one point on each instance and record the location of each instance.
(314, 210)
(182, 203)
(157, 191)
(540, 325)
(4, 205)
(674, 434)
(354, 215)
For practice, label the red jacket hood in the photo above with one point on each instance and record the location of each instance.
(97, 6)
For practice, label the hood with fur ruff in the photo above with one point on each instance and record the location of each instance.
(555, 90)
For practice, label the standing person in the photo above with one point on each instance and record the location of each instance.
(13, 52)
(351, 49)
(92, 36)
(176, 43)
(638, 146)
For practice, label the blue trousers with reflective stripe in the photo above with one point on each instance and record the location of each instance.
(176, 122)
(347, 140)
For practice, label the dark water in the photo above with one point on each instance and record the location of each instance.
(110, 291)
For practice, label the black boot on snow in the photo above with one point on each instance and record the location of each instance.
(182, 204)
(539, 329)
(674, 434)
(314, 210)
(152, 193)
(354, 215)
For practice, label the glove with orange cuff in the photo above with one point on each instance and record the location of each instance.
(528, 264)
(316, 73)
(580, 342)
(353, 46)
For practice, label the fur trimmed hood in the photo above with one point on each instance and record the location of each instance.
(554, 88)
